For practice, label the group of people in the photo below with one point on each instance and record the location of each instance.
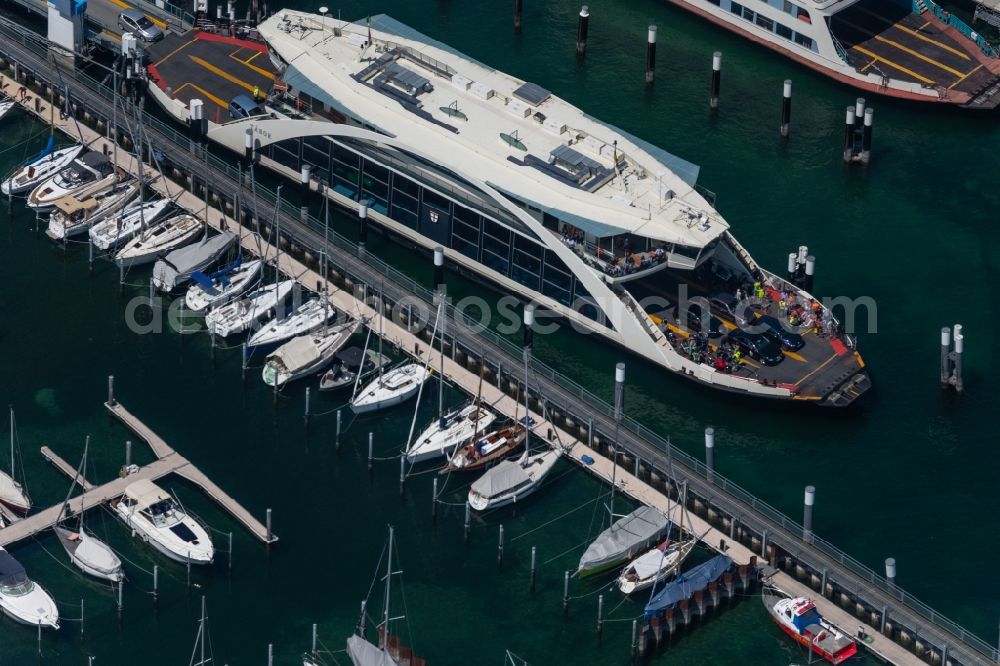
(724, 358)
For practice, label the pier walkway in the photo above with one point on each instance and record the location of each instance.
(168, 462)
(846, 591)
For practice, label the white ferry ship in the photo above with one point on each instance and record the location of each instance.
(531, 194)
(912, 49)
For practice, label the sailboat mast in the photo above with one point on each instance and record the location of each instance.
(12, 441)
(201, 631)
(277, 237)
(443, 318)
(326, 245)
(388, 585)
(381, 318)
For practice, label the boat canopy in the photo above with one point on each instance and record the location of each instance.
(191, 257)
(627, 533)
(687, 583)
(11, 571)
(145, 493)
(363, 653)
(297, 352)
(500, 479)
(97, 555)
(647, 565)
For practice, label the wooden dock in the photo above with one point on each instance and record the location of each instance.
(168, 462)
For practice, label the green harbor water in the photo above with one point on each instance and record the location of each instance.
(908, 472)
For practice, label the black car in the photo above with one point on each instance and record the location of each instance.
(695, 322)
(772, 328)
(759, 347)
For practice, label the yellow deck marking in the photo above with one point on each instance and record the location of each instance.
(173, 53)
(885, 61)
(246, 63)
(965, 77)
(918, 54)
(250, 59)
(816, 369)
(794, 356)
(865, 68)
(204, 92)
(911, 31)
(222, 73)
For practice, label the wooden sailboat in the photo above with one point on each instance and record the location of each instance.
(480, 452)
(87, 552)
(13, 494)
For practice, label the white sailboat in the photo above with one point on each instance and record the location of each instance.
(221, 287)
(73, 215)
(6, 106)
(239, 316)
(121, 227)
(199, 640)
(12, 494)
(388, 651)
(22, 599)
(306, 318)
(657, 565)
(392, 387)
(86, 175)
(40, 169)
(306, 354)
(160, 520)
(513, 480)
(160, 238)
(87, 552)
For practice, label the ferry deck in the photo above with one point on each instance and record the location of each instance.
(891, 40)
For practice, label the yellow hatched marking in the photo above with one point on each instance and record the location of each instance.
(965, 77)
(892, 64)
(918, 54)
(259, 70)
(222, 73)
(173, 53)
(204, 92)
(911, 31)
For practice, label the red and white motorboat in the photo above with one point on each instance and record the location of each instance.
(799, 619)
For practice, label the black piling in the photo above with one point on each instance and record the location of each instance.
(786, 107)
(849, 134)
(518, 6)
(581, 31)
(363, 230)
(565, 602)
(713, 101)
(371, 454)
(866, 136)
(650, 55)
(534, 561)
(500, 550)
(468, 520)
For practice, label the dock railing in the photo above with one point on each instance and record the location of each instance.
(550, 386)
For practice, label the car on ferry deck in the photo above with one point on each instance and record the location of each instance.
(771, 328)
(134, 21)
(758, 346)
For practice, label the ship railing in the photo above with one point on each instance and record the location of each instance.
(962, 27)
(841, 51)
(638, 439)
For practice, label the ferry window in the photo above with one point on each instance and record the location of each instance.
(405, 185)
(530, 249)
(432, 198)
(783, 30)
(376, 172)
(469, 217)
(550, 221)
(524, 276)
(404, 201)
(748, 13)
(470, 250)
(765, 22)
(403, 216)
(466, 232)
(557, 293)
(345, 179)
(320, 144)
(283, 156)
(497, 231)
(716, 2)
(345, 156)
(803, 40)
(736, 8)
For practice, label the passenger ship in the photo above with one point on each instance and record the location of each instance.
(911, 49)
(530, 194)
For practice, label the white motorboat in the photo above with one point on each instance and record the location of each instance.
(240, 315)
(511, 481)
(12, 494)
(179, 266)
(86, 175)
(391, 388)
(6, 106)
(22, 599)
(158, 519)
(73, 216)
(447, 432)
(160, 238)
(210, 291)
(659, 564)
(90, 554)
(307, 354)
(121, 227)
(39, 169)
(307, 317)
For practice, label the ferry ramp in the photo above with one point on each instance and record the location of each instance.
(210, 67)
(889, 39)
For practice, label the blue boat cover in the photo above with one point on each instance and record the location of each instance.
(11, 571)
(687, 583)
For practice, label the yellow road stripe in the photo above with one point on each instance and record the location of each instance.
(916, 34)
(965, 77)
(817, 369)
(892, 64)
(246, 63)
(865, 68)
(794, 356)
(918, 54)
(174, 52)
(221, 73)
(250, 59)
(204, 92)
